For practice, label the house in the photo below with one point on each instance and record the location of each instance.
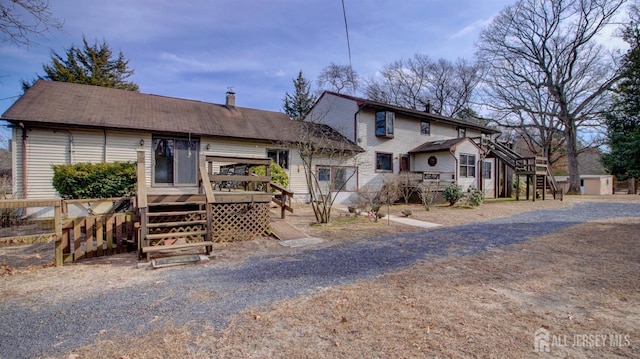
(60, 123)
(590, 184)
(398, 139)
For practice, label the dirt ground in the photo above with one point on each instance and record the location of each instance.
(580, 287)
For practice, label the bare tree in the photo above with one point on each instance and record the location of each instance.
(338, 78)
(328, 161)
(20, 20)
(542, 62)
(446, 87)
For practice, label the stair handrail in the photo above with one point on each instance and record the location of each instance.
(205, 185)
(282, 202)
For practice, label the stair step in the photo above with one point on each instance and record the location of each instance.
(175, 234)
(148, 249)
(175, 213)
(176, 224)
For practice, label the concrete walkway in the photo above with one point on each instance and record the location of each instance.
(411, 222)
(403, 220)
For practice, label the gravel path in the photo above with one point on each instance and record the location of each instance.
(211, 294)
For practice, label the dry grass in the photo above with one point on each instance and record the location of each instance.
(581, 281)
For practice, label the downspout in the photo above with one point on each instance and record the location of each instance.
(355, 123)
(104, 145)
(457, 169)
(24, 160)
(70, 143)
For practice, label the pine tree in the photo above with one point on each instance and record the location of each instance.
(89, 65)
(297, 106)
(623, 118)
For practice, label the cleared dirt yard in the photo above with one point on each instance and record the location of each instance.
(579, 286)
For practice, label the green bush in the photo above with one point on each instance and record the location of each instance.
(453, 194)
(278, 174)
(95, 180)
(474, 197)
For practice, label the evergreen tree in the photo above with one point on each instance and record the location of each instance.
(90, 65)
(623, 118)
(298, 104)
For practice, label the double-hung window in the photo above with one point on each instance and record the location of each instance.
(425, 127)
(467, 165)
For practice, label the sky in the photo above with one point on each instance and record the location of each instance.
(197, 49)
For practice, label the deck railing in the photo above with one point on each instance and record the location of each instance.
(28, 221)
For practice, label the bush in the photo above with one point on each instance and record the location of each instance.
(474, 197)
(278, 174)
(427, 193)
(453, 194)
(95, 180)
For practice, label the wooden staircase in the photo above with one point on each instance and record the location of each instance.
(536, 170)
(175, 222)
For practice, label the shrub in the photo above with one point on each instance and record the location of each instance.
(95, 180)
(453, 194)
(278, 174)
(474, 197)
(427, 193)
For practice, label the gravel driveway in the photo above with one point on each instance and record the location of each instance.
(211, 294)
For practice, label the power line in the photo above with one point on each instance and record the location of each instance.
(346, 28)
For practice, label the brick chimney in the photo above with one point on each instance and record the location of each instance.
(231, 98)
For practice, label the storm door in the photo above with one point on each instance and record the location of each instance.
(175, 161)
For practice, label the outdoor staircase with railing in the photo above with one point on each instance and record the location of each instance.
(535, 169)
(175, 222)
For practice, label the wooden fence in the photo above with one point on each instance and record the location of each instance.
(76, 235)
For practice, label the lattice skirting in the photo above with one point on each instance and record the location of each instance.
(239, 221)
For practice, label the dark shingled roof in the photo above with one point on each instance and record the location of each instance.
(437, 146)
(69, 104)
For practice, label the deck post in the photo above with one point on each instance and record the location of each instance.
(141, 200)
(59, 237)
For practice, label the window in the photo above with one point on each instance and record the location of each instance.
(425, 127)
(324, 174)
(337, 178)
(384, 162)
(467, 165)
(384, 123)
(486, 170)
(280, 157)
(462, 132)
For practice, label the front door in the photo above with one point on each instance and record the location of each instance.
(175, 161)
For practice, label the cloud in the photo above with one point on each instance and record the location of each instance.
(471, 28)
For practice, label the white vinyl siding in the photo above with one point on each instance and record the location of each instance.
(16, 162)
(342, 114)
(45, 148)
(88, 146)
